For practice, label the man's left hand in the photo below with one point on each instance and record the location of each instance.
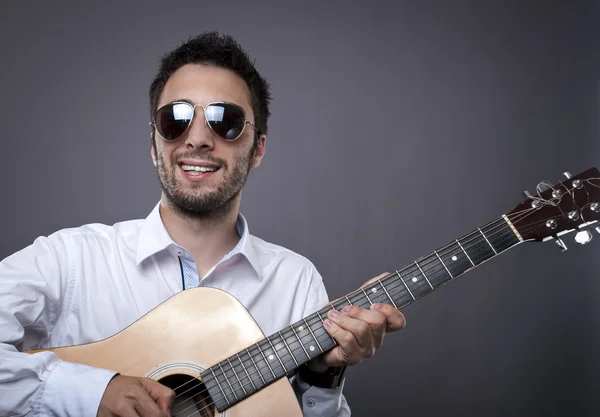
(359, 333)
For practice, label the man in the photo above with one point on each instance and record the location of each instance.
(209, 110)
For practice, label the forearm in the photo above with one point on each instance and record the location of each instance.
(42, 384)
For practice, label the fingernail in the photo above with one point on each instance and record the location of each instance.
(333, 314)
(375, 306)
(327, 323)
(347, 309)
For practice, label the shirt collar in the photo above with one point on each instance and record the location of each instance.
(154, 238)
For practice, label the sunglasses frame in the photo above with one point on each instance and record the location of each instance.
(193, 106)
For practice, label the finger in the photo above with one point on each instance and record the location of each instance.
(360, 330)
(145, 405)
(374, 319)
(348, 350)
(161, 394)
(395, 320)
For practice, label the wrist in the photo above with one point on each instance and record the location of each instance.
(330, 378)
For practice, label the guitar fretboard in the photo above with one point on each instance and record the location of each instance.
(280, 354)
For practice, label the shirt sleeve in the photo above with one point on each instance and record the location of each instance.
(35, 289)
(315, 401)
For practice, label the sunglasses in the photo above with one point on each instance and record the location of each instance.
(227, 120)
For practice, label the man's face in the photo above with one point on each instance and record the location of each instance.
(205, 194)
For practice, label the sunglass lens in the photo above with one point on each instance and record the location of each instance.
(173, 120)
(226, 120)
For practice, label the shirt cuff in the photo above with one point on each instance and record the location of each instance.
(74, 390)
(317, 401)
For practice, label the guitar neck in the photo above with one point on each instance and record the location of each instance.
(284, 352)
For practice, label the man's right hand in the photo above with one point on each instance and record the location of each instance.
(128, 396)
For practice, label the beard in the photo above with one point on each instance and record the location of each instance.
(204, 204)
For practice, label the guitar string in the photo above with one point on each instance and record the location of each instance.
(234, 371)
(184, 384)
(233, 368)
(514, 215)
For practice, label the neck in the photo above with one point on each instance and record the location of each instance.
(207, 239)
(285, 351)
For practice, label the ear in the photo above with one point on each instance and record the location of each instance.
(261, 148)
(153, 154)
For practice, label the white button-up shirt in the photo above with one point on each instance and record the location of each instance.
(85, 284)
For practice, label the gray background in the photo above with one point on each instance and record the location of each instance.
(396, 127)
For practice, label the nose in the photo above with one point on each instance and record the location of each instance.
(200, 135)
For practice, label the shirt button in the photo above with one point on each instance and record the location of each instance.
(311, 402)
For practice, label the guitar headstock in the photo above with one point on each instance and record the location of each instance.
(572, 205)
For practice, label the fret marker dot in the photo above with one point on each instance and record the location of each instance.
(271, 357)
(311, 348)
(414, 279)
(374, 290)
(454, 258)
(300, 328)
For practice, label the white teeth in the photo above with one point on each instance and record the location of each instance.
(197, 168)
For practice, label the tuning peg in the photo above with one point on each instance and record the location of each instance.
(567, 174)
(527, 194)
(561, 244)
(584, 236)
(597, 228)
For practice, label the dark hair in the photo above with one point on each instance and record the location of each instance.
(212, 48)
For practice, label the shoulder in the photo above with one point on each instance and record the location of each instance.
(298, 272)
(95, 234)
(272, 255)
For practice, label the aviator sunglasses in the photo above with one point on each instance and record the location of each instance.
(227, 120)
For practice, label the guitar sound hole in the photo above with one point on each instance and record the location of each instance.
(191, 396)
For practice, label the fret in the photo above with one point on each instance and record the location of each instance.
(449, 273)
(478, 248)
(501, 235)
(271, 358)
(423, 273)
(277, 354)
(486, 239)
(257, 368)
(436, 271)
(398, 291)
(376, 295)
(246, 371)
(288, 348)
(219, 385)
(237, 377)
(455, 259)
(227, 380)
(314, 337)
(284, 342)
(404, 282)
(320, 331)
(419, 284)
(360, 298)
(388, 294)
(347, 299)
(300, 341)
(260, 357)
(466, 254)
(338, 304)
(366, 295)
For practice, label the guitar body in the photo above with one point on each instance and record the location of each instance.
(177, 340)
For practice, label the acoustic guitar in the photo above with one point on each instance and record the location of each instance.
(205, 345)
